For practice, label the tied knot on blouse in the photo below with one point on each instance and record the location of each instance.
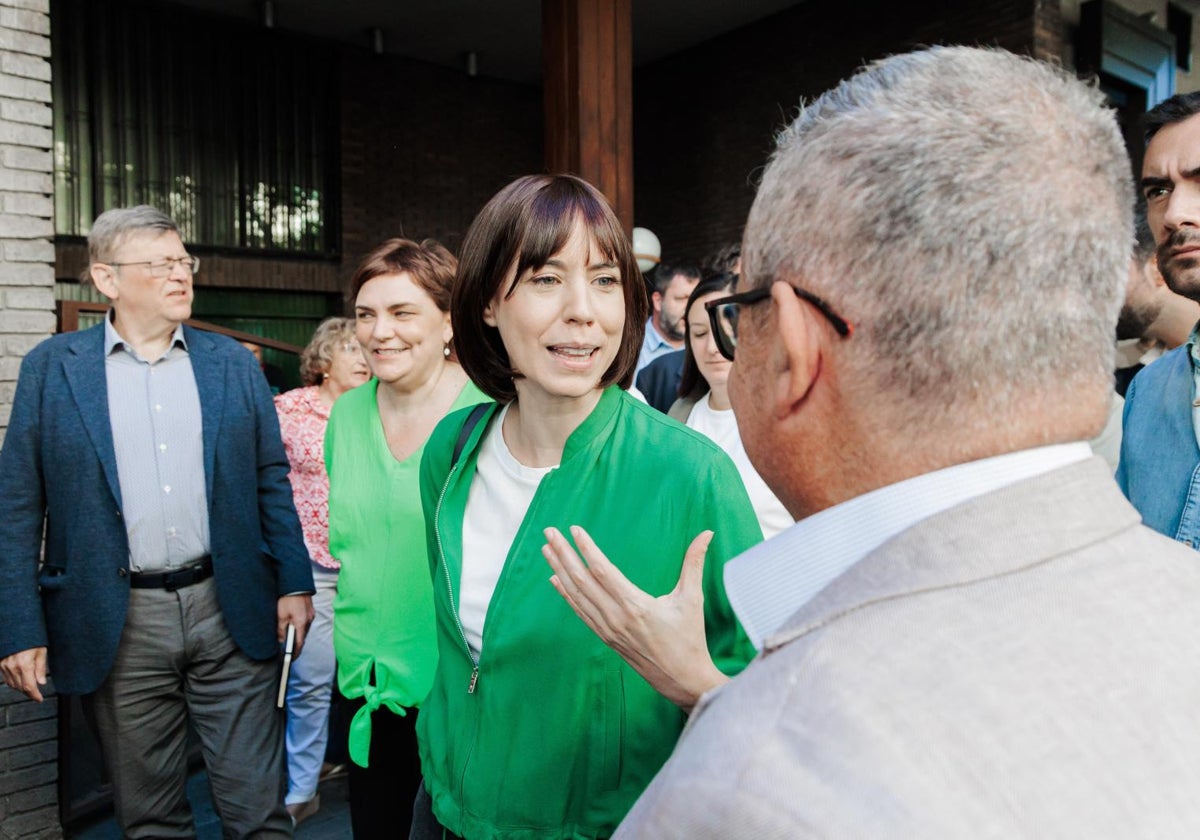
(375, 697)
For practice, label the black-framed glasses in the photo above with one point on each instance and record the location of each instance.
(164, 267)
(723, 314)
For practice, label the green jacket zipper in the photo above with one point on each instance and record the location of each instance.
(437, 530)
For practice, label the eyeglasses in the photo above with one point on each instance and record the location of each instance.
(164, 267)
(723, 315)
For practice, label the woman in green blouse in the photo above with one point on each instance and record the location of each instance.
(383, 615)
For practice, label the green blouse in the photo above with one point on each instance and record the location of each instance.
(383, 628)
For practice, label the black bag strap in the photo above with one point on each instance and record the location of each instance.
(469, 426)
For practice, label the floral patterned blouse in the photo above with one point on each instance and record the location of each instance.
(302, 419)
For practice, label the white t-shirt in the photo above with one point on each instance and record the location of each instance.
(499, 497)
(721, 428)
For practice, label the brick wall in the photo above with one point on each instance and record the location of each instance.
(424, 147)
(28, 767)
(704, 119)
(28, 772)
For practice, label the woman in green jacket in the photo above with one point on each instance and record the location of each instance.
(534, 728)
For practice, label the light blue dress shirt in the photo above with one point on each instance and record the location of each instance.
(157, 430)
(653, 346)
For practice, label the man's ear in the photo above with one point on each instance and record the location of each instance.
(104, 279)
(797, 354)
(656, 301)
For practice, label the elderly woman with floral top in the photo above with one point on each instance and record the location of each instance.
(331, 365)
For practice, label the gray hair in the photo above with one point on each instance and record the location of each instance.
(112, 227)
(969, 211)
(1144, 245)
(318, 355)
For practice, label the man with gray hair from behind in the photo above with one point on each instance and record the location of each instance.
(968, 632)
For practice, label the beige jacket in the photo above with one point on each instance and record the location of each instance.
(1023, 665)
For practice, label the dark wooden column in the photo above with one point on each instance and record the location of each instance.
(588, 81)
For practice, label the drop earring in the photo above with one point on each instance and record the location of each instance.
(446, 350)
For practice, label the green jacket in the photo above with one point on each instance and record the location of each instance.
(551, 734)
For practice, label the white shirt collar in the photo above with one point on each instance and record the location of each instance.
(770, 582)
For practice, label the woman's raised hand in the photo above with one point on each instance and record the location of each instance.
(661, 638)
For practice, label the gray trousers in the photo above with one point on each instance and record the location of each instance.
(176, 661)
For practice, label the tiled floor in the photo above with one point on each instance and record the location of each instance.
(331, 822)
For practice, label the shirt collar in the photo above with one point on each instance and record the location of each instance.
(769, 583)
(1192, 345)
(113, 340)
(653, 340)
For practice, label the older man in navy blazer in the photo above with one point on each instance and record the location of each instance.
(148, 456)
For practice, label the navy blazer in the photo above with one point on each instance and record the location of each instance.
(58, 473)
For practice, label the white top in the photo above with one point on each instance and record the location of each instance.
(499, 497)
(770, 582)
(721, 428)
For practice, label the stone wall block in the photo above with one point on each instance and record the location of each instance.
(25, 66)
(21, 134)
(42, 299)
(29, 43)
(26, 274)
(26, 20)
(19, 345)
(24, 111)
(41, 824)
(29, 204)
(27, 250)
(23, 180)
(26, 321)
(10, 366)
(32, 754)
(21, 226)
(14, 87)
(42, 6)
(22, 157)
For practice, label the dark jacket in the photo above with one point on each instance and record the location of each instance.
(659, 380)
(58, 471)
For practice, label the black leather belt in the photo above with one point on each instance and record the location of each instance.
(202, 569)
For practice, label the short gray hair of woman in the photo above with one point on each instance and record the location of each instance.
(970, 211)
(317, 357)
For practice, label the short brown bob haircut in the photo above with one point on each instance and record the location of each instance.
(521, 228)
(430, 265)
